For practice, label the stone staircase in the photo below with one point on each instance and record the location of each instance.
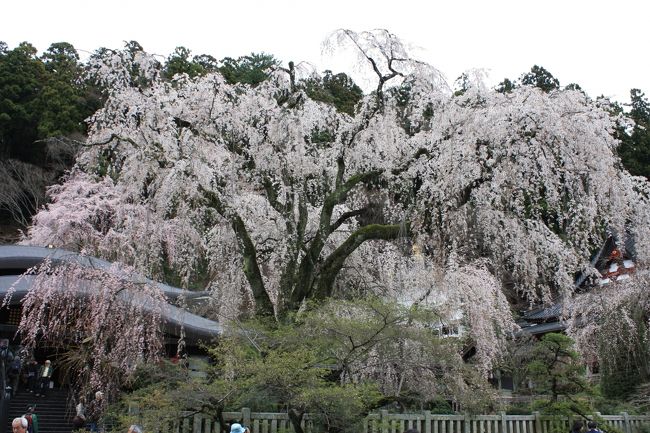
(54, 414)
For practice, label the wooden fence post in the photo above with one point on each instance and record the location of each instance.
(427, 421)
(538, 422)
(504, 423)
(246, 416)
(467, 419)
(385, 421)
(626, 422)
(197, 424)
(596, 416)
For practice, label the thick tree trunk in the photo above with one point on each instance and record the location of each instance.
(305, 280)
(333, 264)
(296, 418)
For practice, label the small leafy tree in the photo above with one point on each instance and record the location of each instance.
(336, 361)
(165, 393)
(262, 368)
(556, 370)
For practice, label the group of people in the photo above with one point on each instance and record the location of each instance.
(36, 378)
(86, 418)
(578, 427)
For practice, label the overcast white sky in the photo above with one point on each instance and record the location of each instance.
(601, 44)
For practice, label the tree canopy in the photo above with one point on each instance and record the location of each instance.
(541, 78)
(635, 144)
(271, 198)
(252, 69)
(336, 89)
(43, 104)
(337, 362)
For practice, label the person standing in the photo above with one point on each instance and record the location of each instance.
(14, 374)
(44, 376)
(79, 419)
(81, 408)
(32, 419)
(95, 410)
(32, 373)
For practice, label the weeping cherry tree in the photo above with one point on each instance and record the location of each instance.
(269, 198)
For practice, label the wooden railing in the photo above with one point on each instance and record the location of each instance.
(258, 422)
(424, 422)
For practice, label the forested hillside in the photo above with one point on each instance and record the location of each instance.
(45, 101)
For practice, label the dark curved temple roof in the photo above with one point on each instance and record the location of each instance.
(16, 259)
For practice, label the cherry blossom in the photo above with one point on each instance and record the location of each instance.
(269, 198)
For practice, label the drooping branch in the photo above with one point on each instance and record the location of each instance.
(263, 304)
(389, 57)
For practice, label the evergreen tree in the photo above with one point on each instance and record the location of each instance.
(336, 89)
(206, 62)
(22, 76)
(179, 62)
(63, 102)
(540, 78)
(573, 86)
(635, 147)
(250, 69)
(555, 367)
(506, 86)
(43, 103)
